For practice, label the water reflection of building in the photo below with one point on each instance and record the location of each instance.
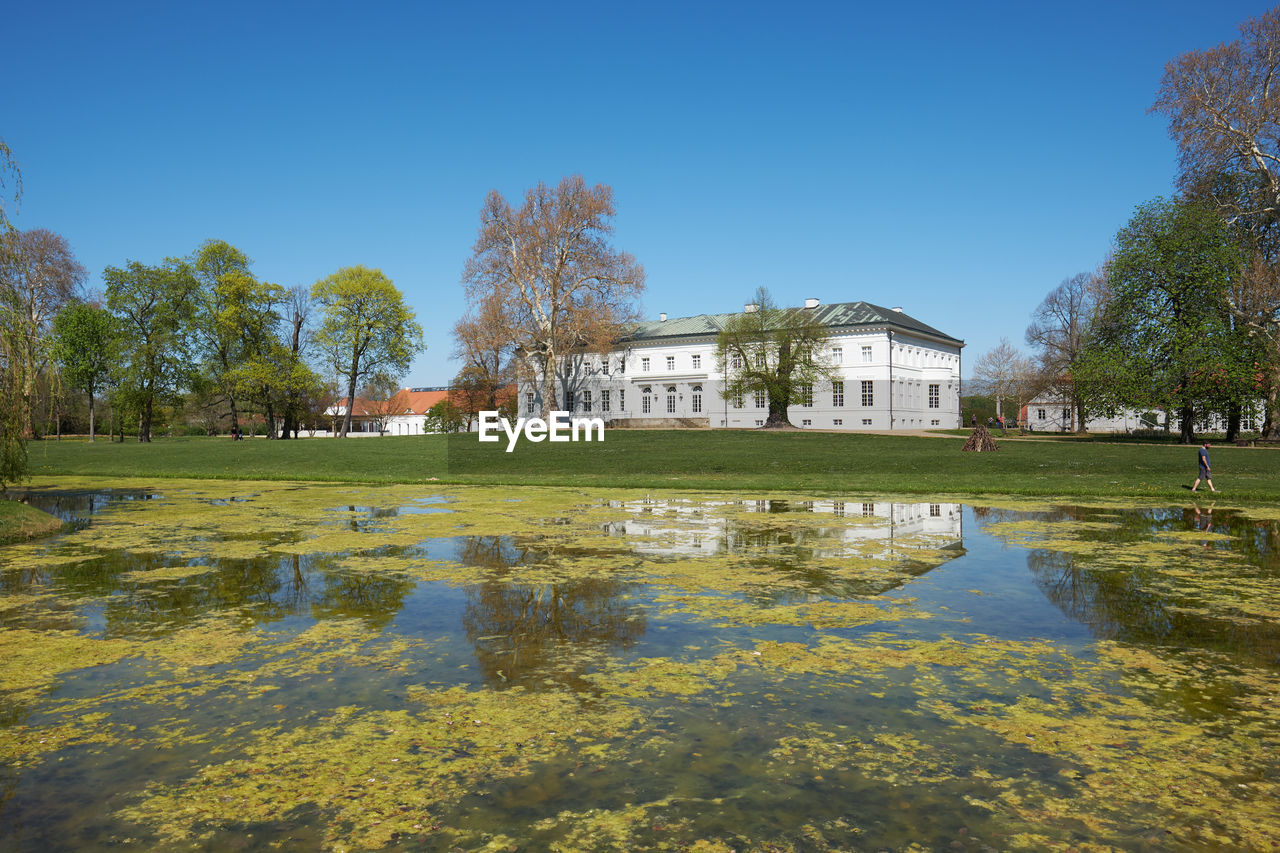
(686, 527)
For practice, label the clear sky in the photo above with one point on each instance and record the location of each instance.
(956, 159)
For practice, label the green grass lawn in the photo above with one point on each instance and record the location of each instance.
(721, 459)
(19, 522)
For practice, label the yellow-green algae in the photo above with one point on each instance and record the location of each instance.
(375, 776)
(1143, 742)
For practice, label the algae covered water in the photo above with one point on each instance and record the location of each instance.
(221, 665)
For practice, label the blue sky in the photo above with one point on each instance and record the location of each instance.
(958, 160)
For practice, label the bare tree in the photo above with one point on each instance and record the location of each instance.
(8, 166)
(482, 345)
(556, 285)
(1223, 107)
(1059, 329)
(999, 372)
(38, 275)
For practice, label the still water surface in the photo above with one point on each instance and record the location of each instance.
(251, 666)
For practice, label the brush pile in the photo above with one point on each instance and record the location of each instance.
(980, 441)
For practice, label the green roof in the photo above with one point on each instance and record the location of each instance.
(836, 315)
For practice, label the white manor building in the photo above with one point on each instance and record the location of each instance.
(896, 373)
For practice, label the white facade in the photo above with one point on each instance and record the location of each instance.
(1050, 412)
(896, 374)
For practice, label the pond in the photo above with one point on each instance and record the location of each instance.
(227, 665)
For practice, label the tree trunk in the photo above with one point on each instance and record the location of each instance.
(1271, 423)
(144, 422)
(1187, 414)
(1233, 422)
(1078, 407)
(90, 417)
(351, 401)
(235, 417)
(777, 414)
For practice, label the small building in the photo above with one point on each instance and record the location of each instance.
(895, 373)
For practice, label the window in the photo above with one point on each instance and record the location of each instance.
(644, 364)
(935, 422)
(697, 399)
(586, 401)
(837, 355)
(760, 400)
(528, 402)
(604, 401)
(868, 395)
(806, 422)
(837, 394)
(671, 399)
(935, 510)
(1066, 416)
(622, 365)
(737, 401)
(622, 400)
(671, 362)
(697, 362)
(866, 421)
(868, 510)
(806, 395)
(735, 360)
(759, 423)
(1039, 414)
(837, 508)
(935, 396)
(838, 422)
(866, 355)
(646, 404)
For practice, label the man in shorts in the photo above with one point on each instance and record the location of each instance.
(1202, 459)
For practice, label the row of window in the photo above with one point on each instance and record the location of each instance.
(906, 355)
(804, 398)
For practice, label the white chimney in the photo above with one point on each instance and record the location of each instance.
(750, 308)
(811, 302)
(662, 318)
(898, 308)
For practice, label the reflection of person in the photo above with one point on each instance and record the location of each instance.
(1202, 461)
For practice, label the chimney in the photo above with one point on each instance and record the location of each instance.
(750, 308)
(811, 302)
(898, 308)
(662, 317)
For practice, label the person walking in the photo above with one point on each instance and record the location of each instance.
(1202, 460)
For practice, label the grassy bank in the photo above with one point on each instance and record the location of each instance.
(786, 461)
(19, 522)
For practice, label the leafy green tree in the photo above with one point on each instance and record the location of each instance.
(366, 329)
(774, 350)
(1221, 103)
(154, 306)
(84, 343)
(445, 416)
(231, 309)
(1165, 339)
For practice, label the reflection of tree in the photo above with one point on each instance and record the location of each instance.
(358, 593)
(1146, 605)
(531, 632)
